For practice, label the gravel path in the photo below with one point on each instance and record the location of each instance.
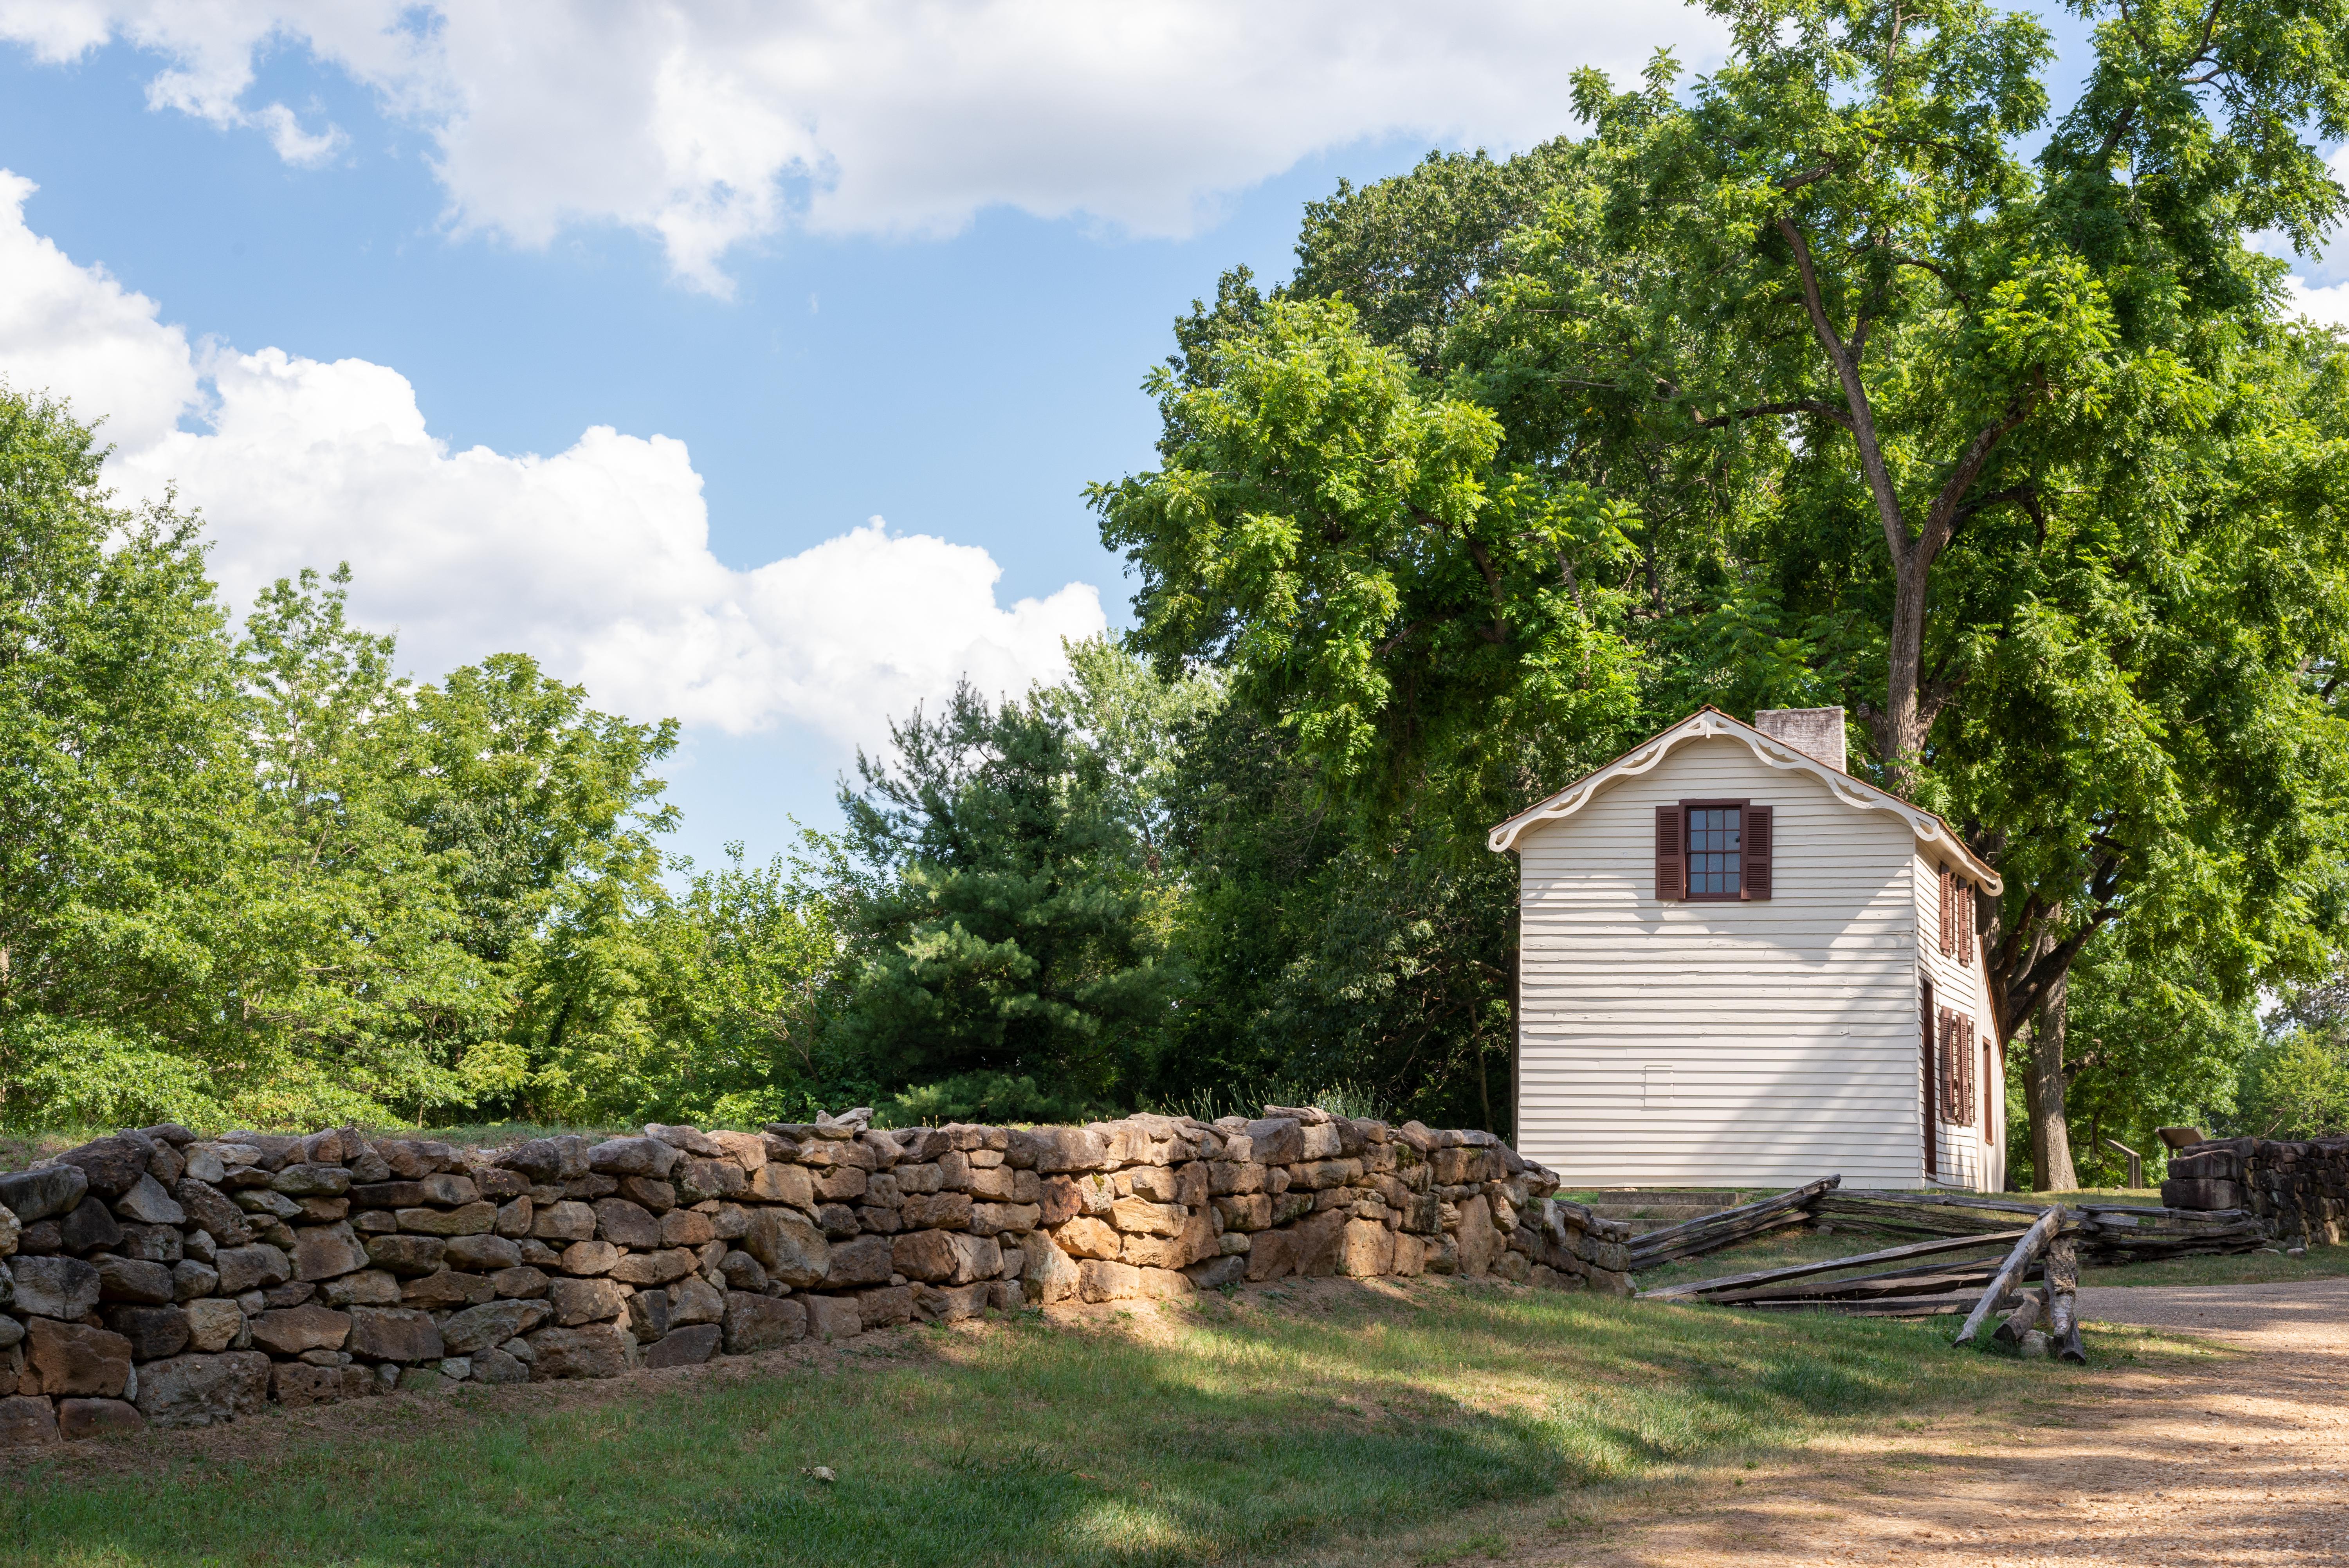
(2238, 1460)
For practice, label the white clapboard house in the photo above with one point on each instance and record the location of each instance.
(1740, 965)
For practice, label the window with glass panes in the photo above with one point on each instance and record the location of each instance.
(1713, 850)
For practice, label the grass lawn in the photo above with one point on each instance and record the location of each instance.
(1317, 1421)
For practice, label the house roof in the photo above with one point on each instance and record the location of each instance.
(1711, 722)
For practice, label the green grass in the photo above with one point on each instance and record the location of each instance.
(1332, 1422)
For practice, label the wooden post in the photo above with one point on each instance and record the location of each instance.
(2010, 1272)
(2136, 1161)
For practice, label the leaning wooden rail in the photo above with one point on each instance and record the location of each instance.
(1716, 1231)
(1706, 1287)
(2010, 1274)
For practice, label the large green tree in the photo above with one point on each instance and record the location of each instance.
(2010, 453)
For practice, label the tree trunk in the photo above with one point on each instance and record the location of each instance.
(2043, 1082)
(1901, 741)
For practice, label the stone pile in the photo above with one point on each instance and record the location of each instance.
(2300, 1191)
(157, 1278)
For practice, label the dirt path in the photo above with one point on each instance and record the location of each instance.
(2241, 1460)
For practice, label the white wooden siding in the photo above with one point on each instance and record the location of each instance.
(1963, 1157)
(1721, 1044)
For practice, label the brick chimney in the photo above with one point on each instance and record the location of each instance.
(1816, 732)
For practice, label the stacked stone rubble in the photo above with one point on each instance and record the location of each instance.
(2300, 1191)
(154, 1277)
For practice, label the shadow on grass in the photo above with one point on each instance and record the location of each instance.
(1228, 1435)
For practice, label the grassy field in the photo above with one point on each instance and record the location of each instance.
(1321, 1422)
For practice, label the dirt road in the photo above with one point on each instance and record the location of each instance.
(2240, 1459)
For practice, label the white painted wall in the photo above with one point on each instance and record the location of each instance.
(1722, 1044)
(1963, 1156)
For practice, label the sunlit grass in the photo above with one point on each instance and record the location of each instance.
(1237, 1431)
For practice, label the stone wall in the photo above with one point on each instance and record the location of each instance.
(2299, 1191)
(157, 1278)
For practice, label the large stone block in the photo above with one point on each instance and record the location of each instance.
(74, 1358)
(81, 1420)
(521, 1283)
(1275, 1140)
(312, 1180)
(210, 1210)
(54, 1286)
(255, 1267)
(111, 1165)
(203, 1390)
(939, 1211)
(26, 1421)
(1068, 1149)
(149, 1203)
(407, 1255)
(1366, 1249)
(327, 1252)
(867, 1261)
(590, 1257)
(1049, 1274)
(831, 1317)
(564, 1222)
(295, 1329)
(1479, 1242)
(46, 1193)
(153, 1332)
(481, 1254)
(1271, 1254)
(466, 1220)
(132, 1279)
(1099, 1280)
(628, 1224)
(694, 1301)
(787, 1245)
(776, 1183)
(754, 1323)
(688, 1346)
(403, 1334)
(698, 1181)
(886, 1307)
(91, 1225)
(632, 1156)
(641, 1269)
(294, 1384)
(578, 1301)
(479, 1328)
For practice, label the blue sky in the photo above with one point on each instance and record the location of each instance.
(873, 264)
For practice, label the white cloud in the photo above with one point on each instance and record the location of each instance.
(2325, 307)
(596, 560)
(713, 124)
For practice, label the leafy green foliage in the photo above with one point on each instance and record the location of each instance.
(997, 903)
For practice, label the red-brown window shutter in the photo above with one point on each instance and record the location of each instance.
(1990, 1134)
(1964, 1048)
(1670, 864)
(1756, 845)
(1947, 1091)
(1965, 922)
(1948, 924)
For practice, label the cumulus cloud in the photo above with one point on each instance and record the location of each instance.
(596, 560)
(709, 125)
(2326, 306)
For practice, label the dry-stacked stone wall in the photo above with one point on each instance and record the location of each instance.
(158, 1278)
(2299, 1190)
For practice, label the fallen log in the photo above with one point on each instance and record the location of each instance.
(2064, 1302)
(2010, 1274)
(1802, 1271)
(2019, 1322)
(1695, 1237)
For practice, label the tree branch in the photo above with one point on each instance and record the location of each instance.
(1862, 416)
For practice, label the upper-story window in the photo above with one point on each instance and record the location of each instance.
(1714, 849)
(1714, 836)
